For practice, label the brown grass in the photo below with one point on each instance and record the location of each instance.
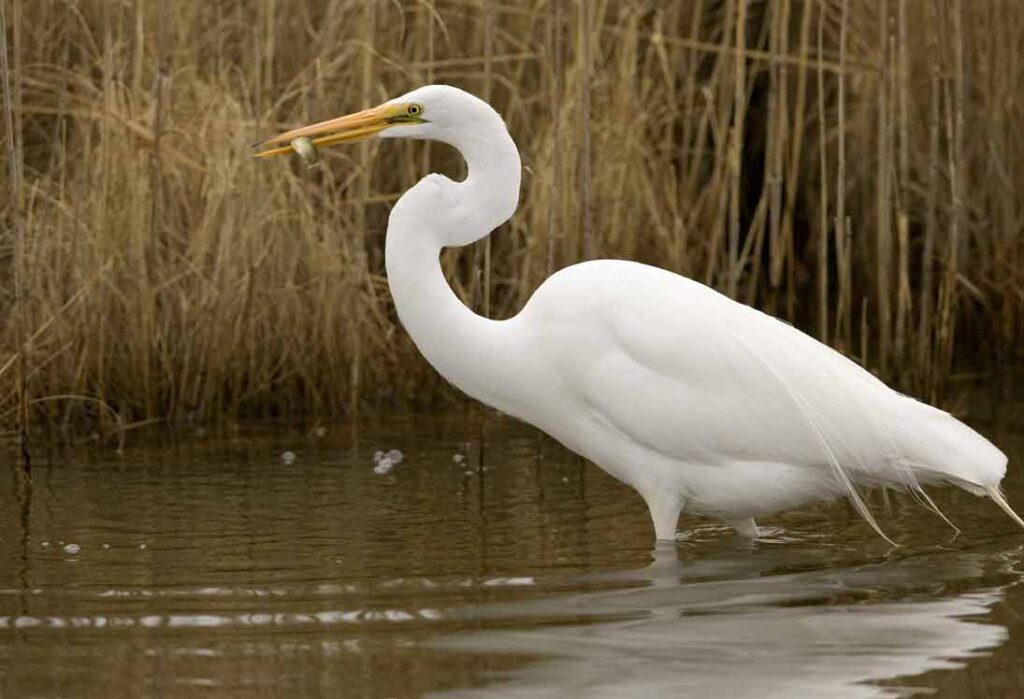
(856, 167)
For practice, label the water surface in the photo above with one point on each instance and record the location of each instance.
(281, 562)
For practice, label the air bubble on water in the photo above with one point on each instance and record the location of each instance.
(458, 458)
(288, 457)
(143, 546)
(385, 461)
(106, 546)
(45, 544)
(72, 548)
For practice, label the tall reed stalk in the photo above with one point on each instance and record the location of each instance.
(18, 314)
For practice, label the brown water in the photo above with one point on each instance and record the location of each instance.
(212, 567)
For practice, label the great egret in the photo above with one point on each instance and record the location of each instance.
(691, 398)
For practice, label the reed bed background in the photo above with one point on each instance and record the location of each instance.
(854, 166)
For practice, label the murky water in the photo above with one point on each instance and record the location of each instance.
(228, 567)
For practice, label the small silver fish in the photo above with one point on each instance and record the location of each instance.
(305, 148)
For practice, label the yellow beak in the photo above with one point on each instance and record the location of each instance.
(346, 129)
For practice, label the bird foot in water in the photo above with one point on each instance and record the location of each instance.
(747, 528)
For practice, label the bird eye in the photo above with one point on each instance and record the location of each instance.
(415, 110)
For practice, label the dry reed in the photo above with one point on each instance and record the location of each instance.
(16, 229)
(855, 167)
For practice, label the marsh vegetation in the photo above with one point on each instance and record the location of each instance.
(853, 166)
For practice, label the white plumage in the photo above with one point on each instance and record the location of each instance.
(694, 400)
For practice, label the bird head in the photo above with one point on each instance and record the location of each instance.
(434, 112)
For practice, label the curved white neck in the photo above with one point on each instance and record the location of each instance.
(474, 353)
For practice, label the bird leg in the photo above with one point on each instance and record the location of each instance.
(747, 528)
(665, 506)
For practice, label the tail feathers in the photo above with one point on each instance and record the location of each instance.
(838, 472)
(940, 448)
(997, 496)
(925, 499)
(930, 445)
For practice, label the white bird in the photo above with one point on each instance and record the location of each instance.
(696, 401)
